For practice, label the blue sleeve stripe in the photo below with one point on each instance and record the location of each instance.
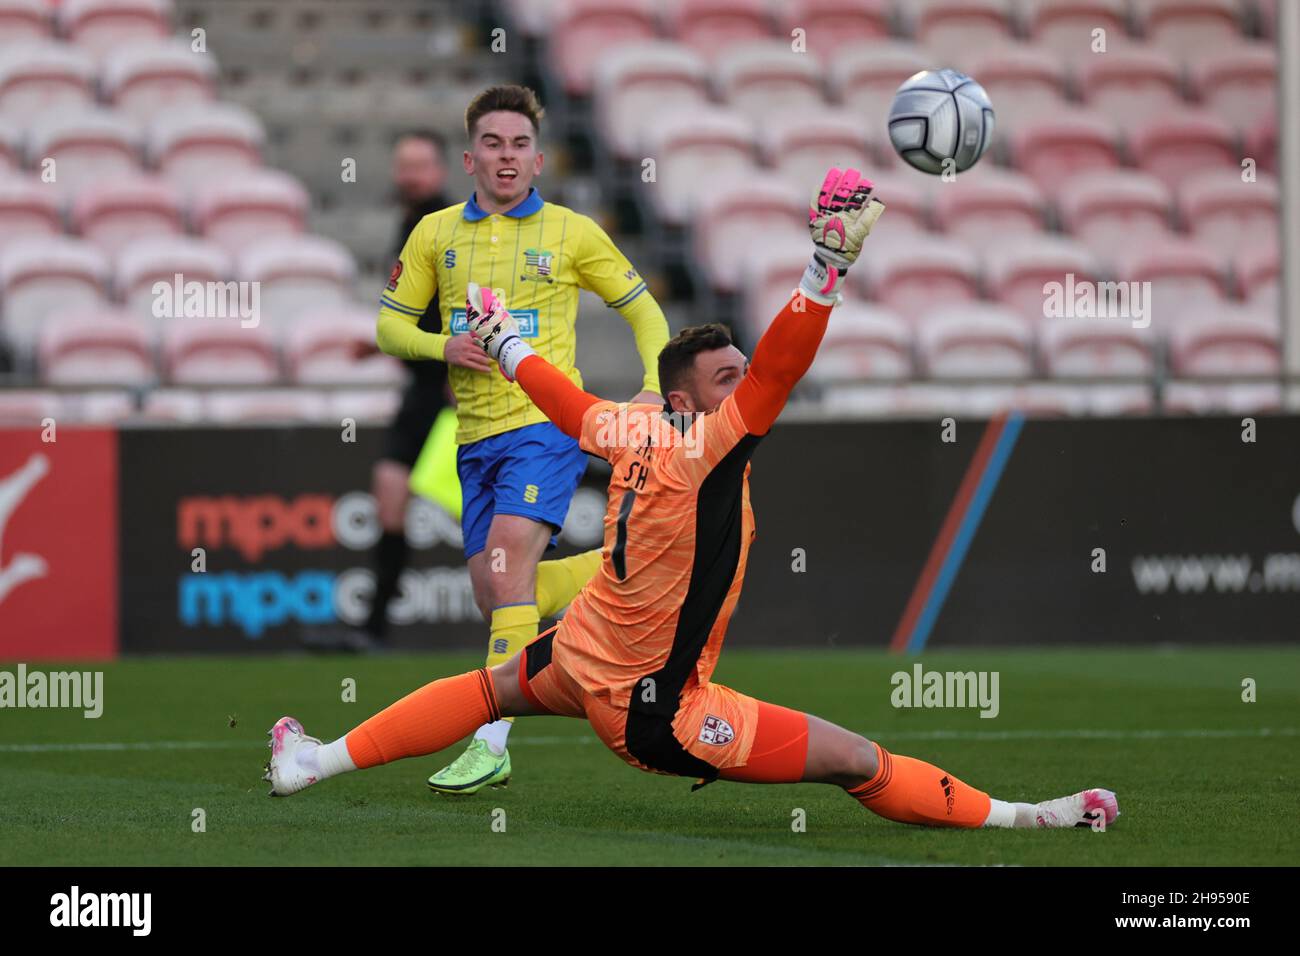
(398, 307)
(620, 302)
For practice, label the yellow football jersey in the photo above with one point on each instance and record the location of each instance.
(537, 257)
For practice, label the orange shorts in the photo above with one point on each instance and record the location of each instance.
(714, 732)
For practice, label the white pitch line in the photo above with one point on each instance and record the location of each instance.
(524, 740)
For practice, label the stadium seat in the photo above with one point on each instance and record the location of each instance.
(1131, 85)
(584, 30)
(1173, 146)
(177, 405)
(772, 271)
(953, 31)
(101, 25)
(102, 406)
(286, 405)
(235, 210)
(1226, 214)
(39, 77)
(11, 145)
(46, 273)
(864, 79)
(1189, 28)
(27, 208)
(143, 78)
(114, 212)
(1023, 82)
(1185, 276)
(1067, 28)
(28, 407)
(144, 262)
(915, 274)
(1266, 17)
(833, 25)
(296, 273)
(1261, 143)
(1111, 211)
(1258, 268)
(1239, 84)
(1237, 398)
(732, 214)
(975, 340)
(1050, 149)
(802, 147)
(194, 143)
(95, 348)
(864, 342)
(694, 150)
(323, 349)
(24, 21)
(375, 405)
(988, 199)
(710, 27)
(85, 146)
(766, 76)
(1232, 342)
(1018, 270)
(218, 352)
(639, 82)
(1096, 348)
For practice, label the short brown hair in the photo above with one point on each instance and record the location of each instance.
(677, 358)
(512, 99)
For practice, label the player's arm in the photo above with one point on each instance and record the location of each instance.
(603, 269)
(411, 287)
(840, 217)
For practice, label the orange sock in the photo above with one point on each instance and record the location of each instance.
(912, 791)
(425, 721)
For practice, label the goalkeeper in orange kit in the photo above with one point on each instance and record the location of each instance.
(636, 652)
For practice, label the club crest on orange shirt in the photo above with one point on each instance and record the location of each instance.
(716, 731)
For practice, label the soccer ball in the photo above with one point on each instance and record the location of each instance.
(940, 120)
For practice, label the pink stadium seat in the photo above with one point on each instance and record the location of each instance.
(27, 208)
(1023, 82)
(218, 352)
(141, 79)
(695, 150)
(85, 147)
(1229, 342)
(1189, 28)
(47, 273)
(28, 407)
(833, 25)
(144, 262)
(772, 271)
(267, 405)
(584, 30)
(1096, 348)
(24, 21)
(377, 405)
(988, 199)
(1051, 148)
(864, 342)
(1115, 399)
(193, 143)
(732, 214)
(1185, 276)
(1131, 85)
(1110, 211)
(1258, 268)
(952, 29)
(975, 340)
(95, 348)
(297, 273)
(11, 145)
(1237, 398)
(766, 76)
(906, 199)
(40, 76)
(322, 349)
(916, 274)
(1018, 269)
(637, 83)
(865, 78)
(1066, 28)
(113, 212)
(802, 147)
(712, 26)
(172, 405)
(1239, 84)
(100, 25)
(1261, 143)
(1266, 16)
(103, 406)
(235, 210)
(1226, 214)
(1174, 146)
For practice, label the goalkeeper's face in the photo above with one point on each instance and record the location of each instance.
(503, 158)
(714, 375)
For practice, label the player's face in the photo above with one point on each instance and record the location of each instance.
(418, 169)
(503, 159)
(716, 374)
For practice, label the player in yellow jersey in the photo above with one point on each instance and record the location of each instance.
(518, 471)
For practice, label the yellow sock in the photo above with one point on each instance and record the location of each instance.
(560, 580)
(513, 628)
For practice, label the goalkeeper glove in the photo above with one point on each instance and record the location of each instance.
(840, 217)
(493, 329)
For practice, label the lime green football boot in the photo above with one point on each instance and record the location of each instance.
(476, 768)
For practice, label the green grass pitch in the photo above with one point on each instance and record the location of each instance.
(1203, 778)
